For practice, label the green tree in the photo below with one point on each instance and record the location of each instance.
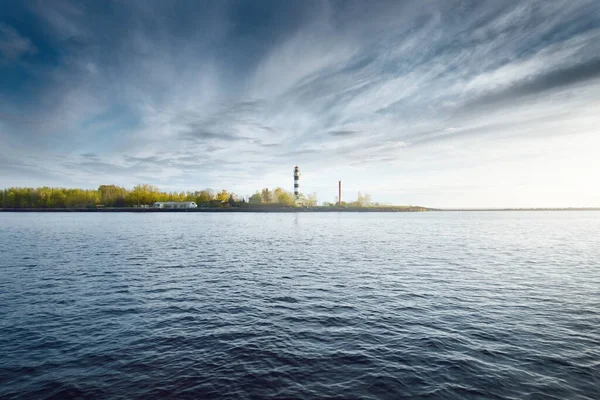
(360, 200)
(367, 199)
(284, 197)
(266, 196)
(203, 197)
(11, 199)
(223, 196)
(256, 198)
(363, 200)
(145, 194)
(112, 196)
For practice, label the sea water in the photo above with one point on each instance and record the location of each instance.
(308, 305)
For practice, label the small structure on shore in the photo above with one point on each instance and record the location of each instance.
(174, 204)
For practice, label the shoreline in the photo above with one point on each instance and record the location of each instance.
(396, 209)
(518, 209)
(224, 209)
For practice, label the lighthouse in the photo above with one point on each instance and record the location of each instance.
(297, 182)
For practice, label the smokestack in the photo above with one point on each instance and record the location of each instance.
(297, 182)
(340, 193)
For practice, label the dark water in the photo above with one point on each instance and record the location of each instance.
(427, 305)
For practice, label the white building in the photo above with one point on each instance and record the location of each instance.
(175, 204)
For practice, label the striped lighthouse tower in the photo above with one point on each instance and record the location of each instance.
(297, 182)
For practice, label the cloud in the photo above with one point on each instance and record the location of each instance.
(199, 93)
(12, 45)
(550, 81)
(342, 133)
(197, 132)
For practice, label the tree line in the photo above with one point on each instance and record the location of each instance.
(283, 197)
(146, 195)
(141, 195)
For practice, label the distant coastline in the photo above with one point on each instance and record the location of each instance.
(273, 209)
(148, 198)
(287, 209)
(519, 209)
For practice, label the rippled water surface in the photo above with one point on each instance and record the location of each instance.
(375, 305)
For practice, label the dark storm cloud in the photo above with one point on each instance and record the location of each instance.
(342, 133)
(197, 132)
(155, 160)
(550, 81)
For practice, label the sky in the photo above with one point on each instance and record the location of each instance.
(450, 103)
